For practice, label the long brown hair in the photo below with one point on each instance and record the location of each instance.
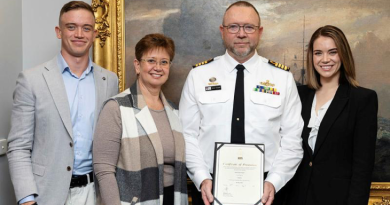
(347, 69)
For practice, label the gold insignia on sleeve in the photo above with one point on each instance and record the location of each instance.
(278, 65)
(203, 63)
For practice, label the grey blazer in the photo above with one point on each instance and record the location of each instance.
(40, 150)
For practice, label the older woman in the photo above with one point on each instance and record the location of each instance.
(340, 127)
(138, 149)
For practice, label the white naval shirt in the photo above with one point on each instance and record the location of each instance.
(274, 120)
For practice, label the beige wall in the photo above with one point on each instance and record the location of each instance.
(10, 66)
(27, 38)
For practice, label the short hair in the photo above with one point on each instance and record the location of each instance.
(347, 68)
(242, 4)
(74, 5)
(154, 41)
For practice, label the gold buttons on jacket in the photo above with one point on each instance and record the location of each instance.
(311, 164)
(68, 168)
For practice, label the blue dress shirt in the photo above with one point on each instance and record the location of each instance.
(81, 98)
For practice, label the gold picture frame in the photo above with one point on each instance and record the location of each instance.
(109, 45)
(380, 193)
(109, 51)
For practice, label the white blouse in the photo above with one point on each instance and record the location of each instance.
(315, 121)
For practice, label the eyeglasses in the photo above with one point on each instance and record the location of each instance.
(235, 28)
(153, 62)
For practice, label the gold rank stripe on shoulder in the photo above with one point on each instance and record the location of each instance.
(203, 63)
(278, 65)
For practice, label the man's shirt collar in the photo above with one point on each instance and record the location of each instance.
(65, 67)
(247, 64)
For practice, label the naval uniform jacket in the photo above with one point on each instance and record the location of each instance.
(339, 171)
(206, 107)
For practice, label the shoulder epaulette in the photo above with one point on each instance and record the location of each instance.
(278, 65)
(203, 63)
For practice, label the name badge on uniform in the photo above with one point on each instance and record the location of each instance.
(213, 85)
(211, 88)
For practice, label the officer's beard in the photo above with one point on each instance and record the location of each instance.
(242, 53)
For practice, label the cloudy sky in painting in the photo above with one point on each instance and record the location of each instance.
(193, 25)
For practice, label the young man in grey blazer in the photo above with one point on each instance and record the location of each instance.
(56, 105)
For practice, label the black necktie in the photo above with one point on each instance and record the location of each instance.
(238, 125)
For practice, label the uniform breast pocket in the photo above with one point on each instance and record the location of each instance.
(269, 100)
(213, 97)
(215, 107)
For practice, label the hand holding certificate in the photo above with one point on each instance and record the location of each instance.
(238, 174)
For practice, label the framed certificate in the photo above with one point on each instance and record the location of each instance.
(238, 174)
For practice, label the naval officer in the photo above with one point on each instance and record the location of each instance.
(241, 97)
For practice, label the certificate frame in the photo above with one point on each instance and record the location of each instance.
(238, 173)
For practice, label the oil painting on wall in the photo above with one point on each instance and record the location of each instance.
(288, 25)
